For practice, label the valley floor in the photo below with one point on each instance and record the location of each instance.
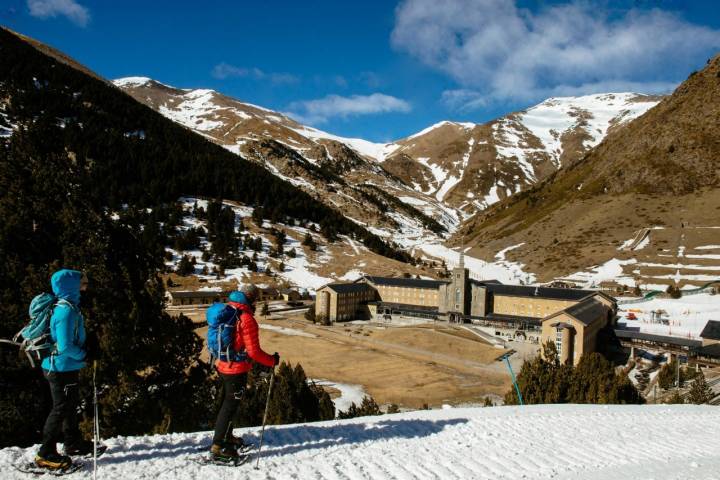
(579, 442)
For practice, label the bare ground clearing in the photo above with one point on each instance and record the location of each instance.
(409, 366)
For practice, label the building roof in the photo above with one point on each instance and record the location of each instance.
(404, 282)
(588, 311)
(347, 287)
(198, 294)
(483, 282)
(649, 337)
(541, 292)
(711, 330)
(712, 351)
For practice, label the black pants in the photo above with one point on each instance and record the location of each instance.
(233, 388)
(62, 423)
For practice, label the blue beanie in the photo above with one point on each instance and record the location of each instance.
(238, 297)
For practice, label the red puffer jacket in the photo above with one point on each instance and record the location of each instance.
(246, 338)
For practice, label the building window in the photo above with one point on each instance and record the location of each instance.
(558, 340)
(457, 295)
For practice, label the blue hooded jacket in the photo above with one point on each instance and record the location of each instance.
(67, 327)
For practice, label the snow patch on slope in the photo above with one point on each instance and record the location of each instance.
(465, 125)
(376, 151)
(551, 118)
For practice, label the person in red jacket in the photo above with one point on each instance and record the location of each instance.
(234, 374)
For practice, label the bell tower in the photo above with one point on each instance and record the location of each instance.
(459, 288)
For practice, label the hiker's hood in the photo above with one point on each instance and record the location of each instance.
(66, 285)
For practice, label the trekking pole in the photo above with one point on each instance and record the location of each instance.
(96, 423)
(267, 405)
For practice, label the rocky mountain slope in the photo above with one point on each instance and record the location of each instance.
(341, 172)
(661, 171)
(471, 166)
(449, 171)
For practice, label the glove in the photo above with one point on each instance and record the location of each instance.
(276, 356)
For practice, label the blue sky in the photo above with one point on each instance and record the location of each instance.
(382, 70)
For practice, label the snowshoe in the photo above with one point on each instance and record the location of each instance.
(53, 464)
(84, 448)
(241, 449)
(223, 462)
(239, 444)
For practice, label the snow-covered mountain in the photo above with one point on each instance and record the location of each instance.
(470, 166)
(578, 442)
(450, 170)
(342, 172)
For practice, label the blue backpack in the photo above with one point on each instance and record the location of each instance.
(35, 339)
(222, 323)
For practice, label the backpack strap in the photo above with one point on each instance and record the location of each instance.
(73, 307)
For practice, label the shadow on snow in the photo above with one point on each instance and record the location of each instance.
(288, 440)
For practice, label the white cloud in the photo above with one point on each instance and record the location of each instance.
(320, 110)
(224, 70)
(52, 8)
(463, 99)
(497, 51)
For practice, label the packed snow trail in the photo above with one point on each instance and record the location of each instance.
(578, 442)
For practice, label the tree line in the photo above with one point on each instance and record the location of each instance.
(594, 380)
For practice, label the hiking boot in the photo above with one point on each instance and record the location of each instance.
(237, 443)
(81, 447)
(223, 453)
(53, 461)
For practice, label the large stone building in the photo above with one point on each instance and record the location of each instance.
(571, 318)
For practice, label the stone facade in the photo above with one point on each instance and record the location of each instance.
(342, 301)
(574, 330)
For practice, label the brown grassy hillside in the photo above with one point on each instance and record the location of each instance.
(661, 169)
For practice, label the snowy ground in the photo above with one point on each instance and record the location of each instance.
(286, 331)
(349, 394)
(578, 442)
(682, 317)
(502, 269)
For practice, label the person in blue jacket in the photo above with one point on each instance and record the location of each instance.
(62, 371)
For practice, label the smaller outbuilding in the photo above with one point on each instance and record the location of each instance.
(290, 295)
(574, 329)
(200, 297)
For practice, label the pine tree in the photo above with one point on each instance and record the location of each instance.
(367, 407)
(594, 380)
(265, 309)
(700, 392)
(308, 241)
(185, 266)
(675, 398)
